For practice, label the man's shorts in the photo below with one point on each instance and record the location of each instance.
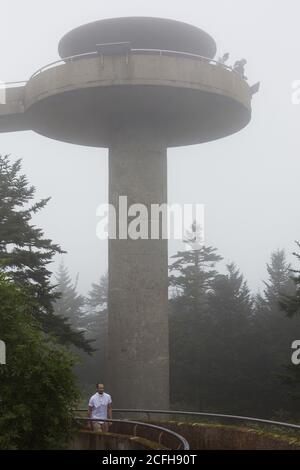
(100, 426)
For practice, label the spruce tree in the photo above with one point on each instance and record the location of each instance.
(25, 253)
(192, 276)
(229, 351)
(274, 334)
(69, 304)
(95, 324)
(290, 304)
(38, 390)
(193, 271)
(280, 282)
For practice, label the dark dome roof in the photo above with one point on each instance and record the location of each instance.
(141, 32)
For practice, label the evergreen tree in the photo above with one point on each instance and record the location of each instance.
(95, 324)
(280, 282)
(230, 299)
(38, 390)
(230, 342)
(97, 306)
(25, 253)
(194, 271)
(69, 304)
(274, 334)
(290, 304)
(193, 275)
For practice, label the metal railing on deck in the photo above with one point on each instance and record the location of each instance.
(217, 416)
(160, 52)
(226, 417)
(136, 51)
(161, 436)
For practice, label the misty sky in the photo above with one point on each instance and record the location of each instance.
(248, 182)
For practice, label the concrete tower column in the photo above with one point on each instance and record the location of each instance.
(138, 346)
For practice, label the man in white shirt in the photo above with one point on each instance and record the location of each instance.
(100, 407)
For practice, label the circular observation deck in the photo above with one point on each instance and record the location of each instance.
(182, 98)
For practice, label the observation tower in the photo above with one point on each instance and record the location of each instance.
(136, 86)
